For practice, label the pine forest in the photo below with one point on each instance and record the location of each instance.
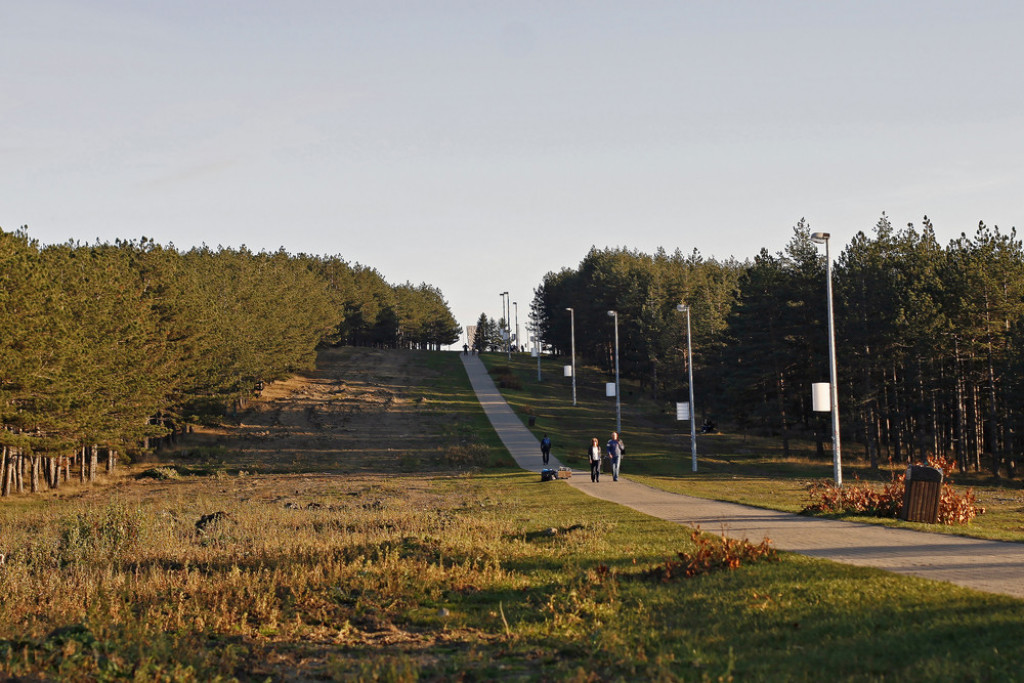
(108, 347)
(929, 338)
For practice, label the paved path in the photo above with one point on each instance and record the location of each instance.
(990, 566)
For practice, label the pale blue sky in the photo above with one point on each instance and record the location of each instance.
(478, 145)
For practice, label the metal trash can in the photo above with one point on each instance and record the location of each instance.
(923, 488)
(533, 421)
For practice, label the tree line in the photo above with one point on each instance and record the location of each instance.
(107, 346)
(929, 337)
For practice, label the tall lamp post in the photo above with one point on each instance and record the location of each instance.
(516, 304)
(572, 334)
(538, 346)
(618, 404)
(689, 364)
(837, 462)
(506, 316)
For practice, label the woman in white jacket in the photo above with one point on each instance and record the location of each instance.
(595, 454)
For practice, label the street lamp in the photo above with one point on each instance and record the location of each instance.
(506, 316)
(618, 404)
(516, 304)
(572, 332)
(689, 364)
(837, 462)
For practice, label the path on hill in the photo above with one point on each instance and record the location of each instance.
(991, 566)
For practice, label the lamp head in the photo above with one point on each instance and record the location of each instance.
(682, 308)
(820, 237)
(568, 308)
(613, 314)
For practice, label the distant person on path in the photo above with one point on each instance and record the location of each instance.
(545, 448)
(465, 349)
(616, 449)
(594, 455)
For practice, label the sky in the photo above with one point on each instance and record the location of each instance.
(477, 146)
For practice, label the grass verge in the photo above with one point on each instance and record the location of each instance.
(738, 468)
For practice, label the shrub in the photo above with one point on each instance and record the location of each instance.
(505, 378)
(161, 473)
(861, 499)
(105, 535)
(713, 553)
(509, 382)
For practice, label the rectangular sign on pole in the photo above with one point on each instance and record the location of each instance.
(567, 371)
(683, 411)
(609, 389)
(821, 397)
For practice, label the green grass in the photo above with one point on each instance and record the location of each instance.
(396, 576)
(732, 467)
(402, 579)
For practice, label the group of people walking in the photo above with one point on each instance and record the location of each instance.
(613, 452)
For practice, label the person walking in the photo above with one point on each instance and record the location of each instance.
(616, 449)
(594, 455)
(545, 448)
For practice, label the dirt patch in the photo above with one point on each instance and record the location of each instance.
(362, 410)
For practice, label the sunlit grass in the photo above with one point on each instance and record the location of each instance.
(494, 575)
(739, 468)
(469, 573)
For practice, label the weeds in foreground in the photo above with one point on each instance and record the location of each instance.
(713, 553)
(863, 499)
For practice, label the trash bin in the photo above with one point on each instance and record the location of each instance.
(533, 421)
(923, 487)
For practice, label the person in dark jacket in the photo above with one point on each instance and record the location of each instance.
(545, 448)
(616, 449)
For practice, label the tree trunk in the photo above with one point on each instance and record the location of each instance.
(961, 410)
(5, 472)
(781, 385)
(974, 427)
(898, 425)
(871, 436)
(19, 470)
(992, 427)
(92, 464)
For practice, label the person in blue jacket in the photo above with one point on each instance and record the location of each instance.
(616, 449)
(545, 448)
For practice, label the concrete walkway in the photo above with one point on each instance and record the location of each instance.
(990, 566)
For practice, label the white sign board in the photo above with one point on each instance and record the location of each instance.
(821, 397)
(567, 371)
(609, 389)
(683, 411)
